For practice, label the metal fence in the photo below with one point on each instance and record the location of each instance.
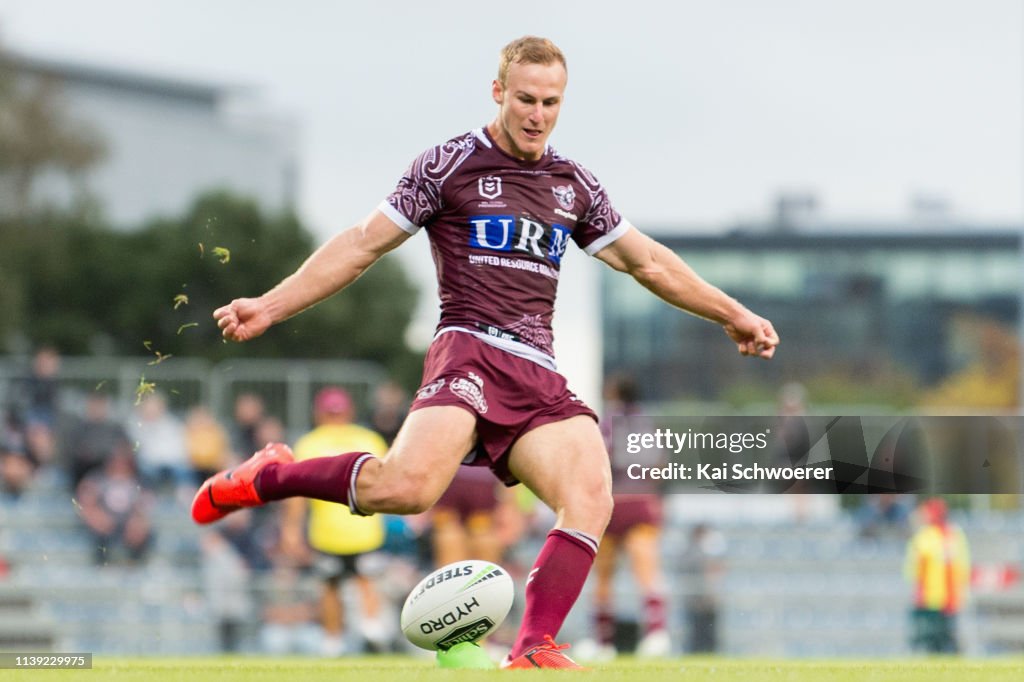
(287, 387)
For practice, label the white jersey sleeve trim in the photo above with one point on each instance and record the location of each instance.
(479, 133)
(601, 242)
(397, 218)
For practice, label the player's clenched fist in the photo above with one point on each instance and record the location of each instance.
(754, 336)
(242, 319)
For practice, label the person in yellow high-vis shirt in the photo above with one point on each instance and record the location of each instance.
(938, 566)
(337, 537)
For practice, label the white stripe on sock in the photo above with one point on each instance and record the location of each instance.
(586, 538)
(352, 485)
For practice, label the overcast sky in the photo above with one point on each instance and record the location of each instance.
(691, 113)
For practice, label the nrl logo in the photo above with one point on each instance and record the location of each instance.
(566, 196)
(489, 187)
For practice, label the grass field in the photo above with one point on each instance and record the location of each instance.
(400, 669)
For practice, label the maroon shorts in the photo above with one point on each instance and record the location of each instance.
(632, 510)
(509, 395)
(472, 491)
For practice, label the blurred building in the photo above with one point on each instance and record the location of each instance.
(166, 140)
(897, 317)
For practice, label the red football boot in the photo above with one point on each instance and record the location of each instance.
(233, 489)
(545, 655)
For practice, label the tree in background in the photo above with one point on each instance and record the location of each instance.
(181, 258)
(71, 281)
(36, 135)
(86, 288)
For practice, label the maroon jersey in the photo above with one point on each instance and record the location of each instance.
(498, 229)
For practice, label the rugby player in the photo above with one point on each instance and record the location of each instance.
(500, 207)
(634, 530)
(475, 518)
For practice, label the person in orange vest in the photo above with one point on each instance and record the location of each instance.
(938, 566)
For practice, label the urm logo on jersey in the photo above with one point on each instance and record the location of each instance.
(509, 233)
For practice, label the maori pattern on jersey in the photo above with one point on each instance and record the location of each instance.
(498, 255)
(534, 330)
(418, 195)
(601, 216)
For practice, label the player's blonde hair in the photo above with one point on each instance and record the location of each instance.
(528, 50)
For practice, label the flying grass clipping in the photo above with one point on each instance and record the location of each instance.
(223, 254)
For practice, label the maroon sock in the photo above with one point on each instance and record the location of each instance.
(604, 625)
(655, 613)
(323, 478)
(554, 585)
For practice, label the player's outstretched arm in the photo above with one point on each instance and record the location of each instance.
(661, 271)
(327, 271)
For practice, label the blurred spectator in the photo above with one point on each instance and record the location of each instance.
(339, 538)
(390, 405)
(938, 566)
(884, 514)
(16, 472)
(255, 542)
(792, 400)
(289, 616)
(41, 444)
(39, 392)
(791, 446)
(231, 552)
(401, 539)
(703, 568)
(94, 439)
(11, 429)
(160, 441)
(269, 430)
(206, 443)
(249, 412)
(115, 508)
(634, 530)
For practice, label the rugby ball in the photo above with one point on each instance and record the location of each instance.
(460, 602)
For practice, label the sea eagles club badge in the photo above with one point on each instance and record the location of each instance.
(566, 196)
